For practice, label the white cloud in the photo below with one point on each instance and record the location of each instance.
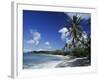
(63, 30)
(64, 33)
(47, 45)
(40, 50)
(27, 50)
(30, 41)
(83, 15)
(68, 40)
(35, 38)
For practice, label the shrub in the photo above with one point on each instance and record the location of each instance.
(81, 52)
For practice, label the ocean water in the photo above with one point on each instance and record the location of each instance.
(38, 61)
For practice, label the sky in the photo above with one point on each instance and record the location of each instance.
(44, 30)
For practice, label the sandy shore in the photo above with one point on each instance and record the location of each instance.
(56, 61)
(74, 62)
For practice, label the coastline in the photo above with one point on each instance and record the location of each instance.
(57, 61)
(76, 62)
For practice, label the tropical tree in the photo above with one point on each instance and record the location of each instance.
(75, 31)
(78, 37)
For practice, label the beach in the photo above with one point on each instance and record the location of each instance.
(39, 61)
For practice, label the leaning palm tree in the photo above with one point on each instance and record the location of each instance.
(75, 30)
(77, 36)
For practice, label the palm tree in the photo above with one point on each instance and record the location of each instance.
(76, 33)
(75, 30)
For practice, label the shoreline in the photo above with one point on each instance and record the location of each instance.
(66, 61)
(76, 62)
(61, 56)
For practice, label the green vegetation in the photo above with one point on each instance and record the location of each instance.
(80, 41)
(56, 52)
(80, 52)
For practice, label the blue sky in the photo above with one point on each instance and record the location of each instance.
(41, 29)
